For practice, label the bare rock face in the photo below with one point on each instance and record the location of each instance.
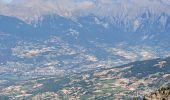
(160, 94)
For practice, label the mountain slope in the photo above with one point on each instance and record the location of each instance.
(160, 94)
(124, 82)
(84, 43)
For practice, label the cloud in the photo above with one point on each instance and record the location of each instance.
(167, 2)
(6, 1)
(33, 9)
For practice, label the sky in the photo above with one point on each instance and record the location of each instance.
(33, 9)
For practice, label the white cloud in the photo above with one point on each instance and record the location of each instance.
(5, 1)
(32, 9)
(166, 2)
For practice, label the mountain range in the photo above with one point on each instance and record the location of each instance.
(95, 49)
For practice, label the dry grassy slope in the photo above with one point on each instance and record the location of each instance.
(160, 94)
